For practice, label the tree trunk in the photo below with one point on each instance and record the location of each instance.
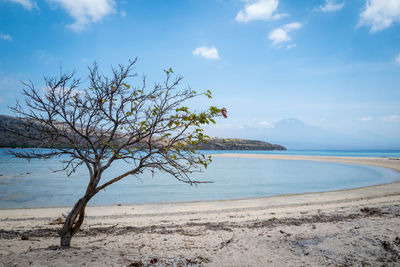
(75, 218)
(66, 240)
(73, 222)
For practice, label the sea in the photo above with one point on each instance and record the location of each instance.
(36, 183)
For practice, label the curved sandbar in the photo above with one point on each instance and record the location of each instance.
(391, 163)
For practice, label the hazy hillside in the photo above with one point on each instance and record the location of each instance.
(296, 134)
(8, 139)
(239, 144)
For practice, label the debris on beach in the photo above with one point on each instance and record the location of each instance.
(24, 236)
(59, 220)
(371, 211)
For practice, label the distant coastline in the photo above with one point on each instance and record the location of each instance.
(10, 140)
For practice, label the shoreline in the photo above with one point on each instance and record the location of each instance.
(206, 201)
(345, 227)
(388, 163)
(372, 191)
(224, 205)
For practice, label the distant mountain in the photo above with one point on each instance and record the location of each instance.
(296, 134)
(8, 139)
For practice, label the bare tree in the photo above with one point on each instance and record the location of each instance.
(116, 118)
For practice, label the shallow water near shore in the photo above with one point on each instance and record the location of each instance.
(332, 153)
(34, 184)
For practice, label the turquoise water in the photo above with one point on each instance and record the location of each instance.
(336, 153)
(34, 184)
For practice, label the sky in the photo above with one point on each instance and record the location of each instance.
(334, 65)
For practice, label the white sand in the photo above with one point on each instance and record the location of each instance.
(317, 229)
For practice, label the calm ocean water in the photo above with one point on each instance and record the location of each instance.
(34, 184)
(336, 153)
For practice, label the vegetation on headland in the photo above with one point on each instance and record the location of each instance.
(238, 144)
(10, 140)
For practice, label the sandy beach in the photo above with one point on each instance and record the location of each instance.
(356, 227)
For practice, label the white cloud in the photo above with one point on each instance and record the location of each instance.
(59, 91)
(280, 35)
(27, 4)
(123, 13)
(291, 46)
(331, 6)
(391, 118)
(206, 52)
(292, 26)
(259, 10)
(265, 124)
(5, 37)
(380, 14)
(367, 118)
(397, 59)
(86, 11)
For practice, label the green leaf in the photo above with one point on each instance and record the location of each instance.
(126, 85)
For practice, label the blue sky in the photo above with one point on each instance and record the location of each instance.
(331, 64)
